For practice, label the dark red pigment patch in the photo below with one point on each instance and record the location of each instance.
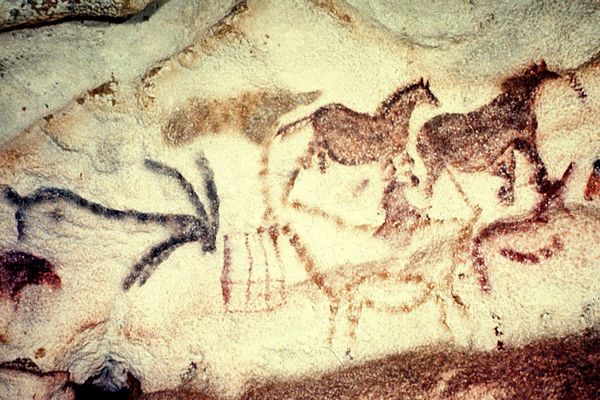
(399, 213)
(19, 269)
(592, 189)
(519, 256)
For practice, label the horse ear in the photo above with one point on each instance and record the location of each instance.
(542, 65)
(421, 81)
(427, 84)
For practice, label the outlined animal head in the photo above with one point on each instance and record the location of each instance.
(530, 77)
(424, 93)
(407, 97)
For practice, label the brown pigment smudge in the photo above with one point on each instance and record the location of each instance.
(360, 188)
(40, 353)
(103, 90)
(334, 9)
(592, 188)
(400, 215)
(254, 114)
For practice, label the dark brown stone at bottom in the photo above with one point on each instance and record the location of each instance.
(554, 368)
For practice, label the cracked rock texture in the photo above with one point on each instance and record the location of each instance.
(17, 12)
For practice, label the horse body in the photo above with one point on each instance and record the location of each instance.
(478, 140)
(352, 138)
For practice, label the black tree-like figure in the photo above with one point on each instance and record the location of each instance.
(201, 227)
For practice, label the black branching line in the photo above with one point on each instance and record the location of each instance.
(201, 227)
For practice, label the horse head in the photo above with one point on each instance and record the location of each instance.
(530, 77)
(403, 100)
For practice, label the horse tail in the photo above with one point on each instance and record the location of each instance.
(292, 127)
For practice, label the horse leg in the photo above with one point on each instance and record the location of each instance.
(389, 170)
(434, 171)
(504, 168)
(321, 150)
(407, 160)
(462, 193)
(306, 160)
(530, 151)
(303, 162)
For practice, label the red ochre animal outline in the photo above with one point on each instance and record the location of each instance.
(271, 287)
(352, 138)
(552, 198)
(484, 139)
(392, 197)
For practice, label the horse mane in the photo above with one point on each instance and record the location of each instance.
(526, 77)
(392, 99)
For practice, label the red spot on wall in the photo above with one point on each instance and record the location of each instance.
(19, 269)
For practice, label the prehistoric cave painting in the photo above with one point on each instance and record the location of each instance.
(592, 188)
(201, 227)
(484, 139)
(552, 199)
(400, 215)
(576, 85)
(19, 269)
(349, 293)
(357, 298)
(253, 276)
(351, 138)
(533, 257)
(255, 114)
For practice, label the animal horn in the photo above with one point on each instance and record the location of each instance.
(421, 81)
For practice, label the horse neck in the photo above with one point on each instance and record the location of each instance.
(401, 110)
(520, 96)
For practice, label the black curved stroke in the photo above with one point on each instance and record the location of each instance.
(201, 227)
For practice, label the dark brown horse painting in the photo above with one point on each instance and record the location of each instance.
(352, 138)
(484, 139)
